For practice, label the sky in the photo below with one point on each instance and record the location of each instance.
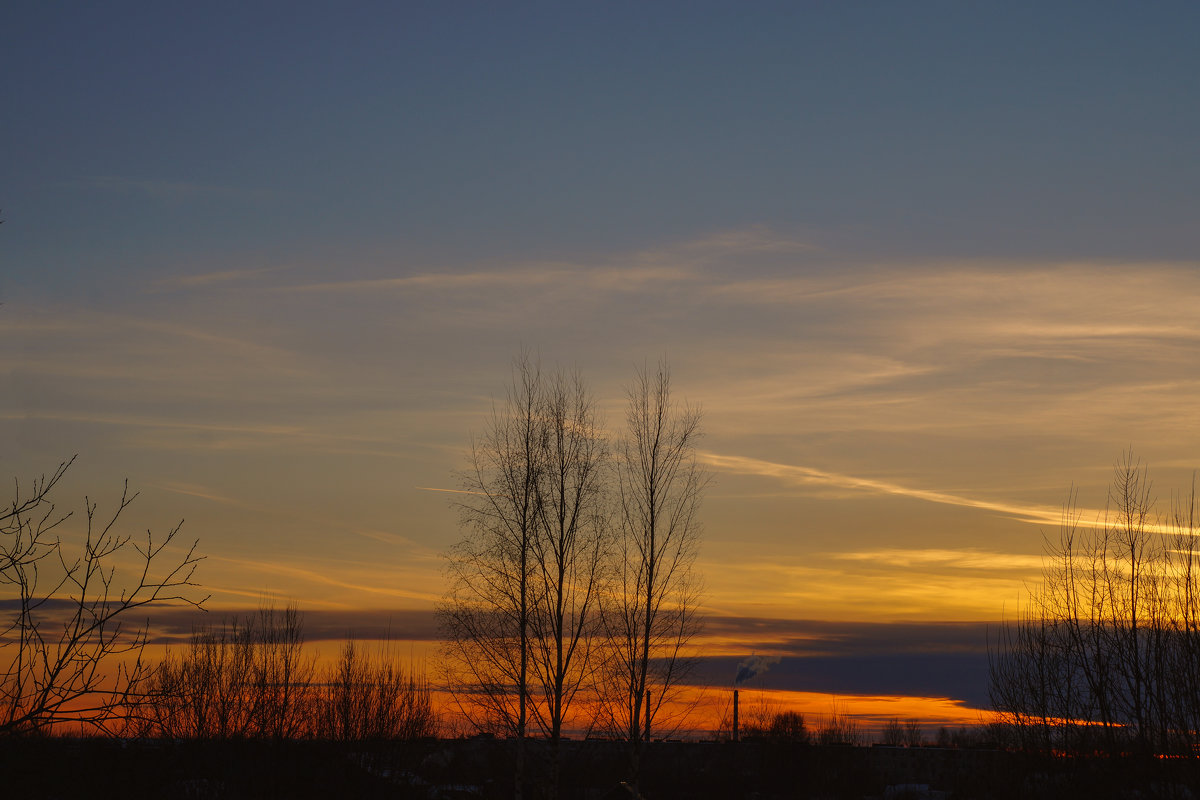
(925, 267)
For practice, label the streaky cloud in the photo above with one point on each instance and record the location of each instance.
(245, 436)
(206, 279)
(194, 490)
(966, 558)
(1032, 514)
(615, 279)
(323, 577)
(175, 625)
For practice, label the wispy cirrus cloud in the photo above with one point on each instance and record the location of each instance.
(271, 430)
(848, 590)
(614, 279)
(1035, 514)
(749, 247)
(196, 490)
(1005, 301)
(977, 386)
(175, 434)
(348, 577)
(260, 351)
(939, 558)
(666, 268)
(89, 339)
(809, 476)
(208, 279)
(800, 637)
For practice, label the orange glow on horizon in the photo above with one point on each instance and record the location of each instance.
(702, 712)
(870, 712)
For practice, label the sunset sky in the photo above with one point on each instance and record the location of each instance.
(925, 266)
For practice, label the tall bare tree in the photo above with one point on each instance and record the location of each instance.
(69, 650)
(486, 615)
(570, 549)
(521, 617)
(654, 611)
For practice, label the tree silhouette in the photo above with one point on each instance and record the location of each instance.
(69, 651)
(521, 616)
(1104, 654)
(654, 612)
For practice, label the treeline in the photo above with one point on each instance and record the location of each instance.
(252, 678)
(839, 729)
(791, 726)
(73, 655)
(1106, 654)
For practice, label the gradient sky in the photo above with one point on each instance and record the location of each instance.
(924, 265)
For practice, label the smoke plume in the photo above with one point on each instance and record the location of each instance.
(752, 666)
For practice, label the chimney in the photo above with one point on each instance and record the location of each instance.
(735, 715)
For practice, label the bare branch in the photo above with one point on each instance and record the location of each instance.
(70, 652)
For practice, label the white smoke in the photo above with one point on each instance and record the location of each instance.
(753, 666)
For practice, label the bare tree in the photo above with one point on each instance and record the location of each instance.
(1030, 685)
(240, 678)
(488, 608)
(69, 652)
(521, 618)
(282, 674)
(202, 693)
(1131, 580)
(912, 733)
(892, 734)
(251, 678)
(570, 549)
(1105, 655)
(654, 611)
(839, 728)
(372, 697)
(1184, 656)
(788, 726)
(901, 733)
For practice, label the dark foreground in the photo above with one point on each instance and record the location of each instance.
(63, 768)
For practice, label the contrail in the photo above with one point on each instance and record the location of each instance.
(1033, 514)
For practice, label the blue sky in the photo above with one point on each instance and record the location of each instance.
(925, 265)
(487, 131)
